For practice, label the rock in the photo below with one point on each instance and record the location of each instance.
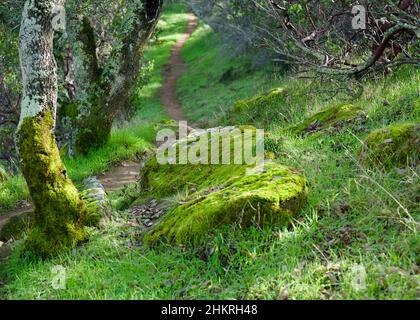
(253, 199)
(332, 118)
(94, 193)
(395, 146)
(271, 106)
(240, 194)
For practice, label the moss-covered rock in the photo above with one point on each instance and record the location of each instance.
(218, 195)
(268, 196)
(269, 107)
(261, 101)
(331, 118)
(395, 146)
(165, 180)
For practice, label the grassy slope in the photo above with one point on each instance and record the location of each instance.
(222, 79)
(354, 216)
(349, 221)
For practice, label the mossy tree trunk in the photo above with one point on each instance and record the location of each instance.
(60, 214)
(108, 98)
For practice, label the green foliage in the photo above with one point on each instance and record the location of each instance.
(267, 108)
(354, 218)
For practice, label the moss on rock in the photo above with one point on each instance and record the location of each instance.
(271, 106)
(268, 196)
(60, 214)
(217, 195)
(395, 146)
(330, 118)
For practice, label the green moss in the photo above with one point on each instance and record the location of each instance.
(261, 101)
(16, 227)
(165, 180)
(68, 109)
(271, 106)
(216, 195)
(60, 215)
(395, 146)
(271, 195)
(334, 117)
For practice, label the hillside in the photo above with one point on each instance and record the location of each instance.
(355, 237)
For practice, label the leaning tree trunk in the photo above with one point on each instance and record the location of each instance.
(94, 129)
(60, 214)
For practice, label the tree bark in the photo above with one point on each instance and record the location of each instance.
(94, 128)
(60, 214)
(107, 99)
(142, 29)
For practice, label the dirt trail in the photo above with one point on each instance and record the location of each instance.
(128, 172)
(112, 180)
(118, 177)
(173, 72)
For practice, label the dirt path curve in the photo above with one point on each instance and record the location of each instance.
(173, 72)
(114, 179)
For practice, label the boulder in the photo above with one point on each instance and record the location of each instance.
(333, 118)
(211, 196)
(395, 146)
(268, 107)
(95, 195)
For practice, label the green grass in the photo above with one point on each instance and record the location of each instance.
(215, 80)
(354, 218)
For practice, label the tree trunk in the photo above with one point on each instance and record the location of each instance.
(93, 128)
(60, 214)
(141, 30)
(107, 99)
